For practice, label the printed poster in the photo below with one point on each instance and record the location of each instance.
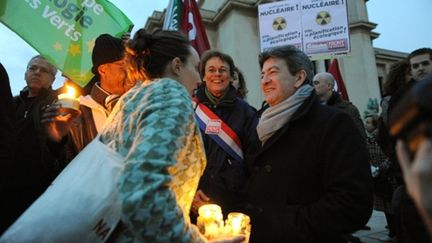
(317, 27)
(279, 24)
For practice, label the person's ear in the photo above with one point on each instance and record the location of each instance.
(102, 69)
(300, 78)
(176, 65)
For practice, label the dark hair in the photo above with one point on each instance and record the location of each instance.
(295, 59)
(420, 51)
(212, 53)
(396, 77)
(149, 54)
(242, 90)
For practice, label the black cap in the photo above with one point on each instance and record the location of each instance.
(107, 49)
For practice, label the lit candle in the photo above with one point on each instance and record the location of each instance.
(210, 221)
(68, 100)
(238, 224)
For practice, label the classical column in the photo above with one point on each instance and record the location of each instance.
(359, 69)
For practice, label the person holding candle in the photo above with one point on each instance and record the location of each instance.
(311, 181)
(99, 96)
(227, 124)
(153, 127)
(37, 159)
(106, 87)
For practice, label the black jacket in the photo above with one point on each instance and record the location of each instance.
(311, 181)
(8, 135)
(337, 102)
(37, 160)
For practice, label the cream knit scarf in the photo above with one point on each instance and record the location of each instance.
(277, 116)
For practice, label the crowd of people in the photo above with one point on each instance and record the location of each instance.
(304, 166)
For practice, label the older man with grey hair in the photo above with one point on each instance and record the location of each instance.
(36, 162)
(310, 181)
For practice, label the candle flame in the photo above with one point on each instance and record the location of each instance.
(70, 93)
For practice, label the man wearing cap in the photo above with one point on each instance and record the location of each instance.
(108, 84)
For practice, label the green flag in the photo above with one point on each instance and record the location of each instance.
(64, 31)
(173, 15)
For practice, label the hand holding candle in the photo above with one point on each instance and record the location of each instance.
(211, 225)
(210, 221)
(59, 117)
(238, 224)
(68, 101)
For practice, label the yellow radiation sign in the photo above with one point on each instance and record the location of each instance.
(323, 18)
(279, 23)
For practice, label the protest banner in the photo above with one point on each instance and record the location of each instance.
(318, 27)
(279, 24)
(325, 27)
(64, 31)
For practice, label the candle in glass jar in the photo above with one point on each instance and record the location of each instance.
(210, 221)
(238, 224)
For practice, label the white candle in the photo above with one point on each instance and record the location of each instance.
(68, 100)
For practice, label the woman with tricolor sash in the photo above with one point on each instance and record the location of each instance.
(227, 124)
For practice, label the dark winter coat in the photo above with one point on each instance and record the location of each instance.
(337, 102)
(37, 157)
(8, 141)
(8, 135)
(311, 181)
(225, 179)
(37, 160)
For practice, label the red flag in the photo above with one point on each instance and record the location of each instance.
(193, 26)
(334, 70)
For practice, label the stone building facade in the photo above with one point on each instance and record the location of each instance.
(232, 27)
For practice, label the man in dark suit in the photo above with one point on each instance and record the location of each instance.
(311, 181)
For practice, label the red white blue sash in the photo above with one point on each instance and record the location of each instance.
(218, 130)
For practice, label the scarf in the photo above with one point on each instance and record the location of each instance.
(104, 98)
(213, 99)
(277, 116)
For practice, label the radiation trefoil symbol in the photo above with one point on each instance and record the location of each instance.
(279, 23)
(323, 18)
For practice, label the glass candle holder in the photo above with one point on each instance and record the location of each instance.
(210, 221)
(238, 224)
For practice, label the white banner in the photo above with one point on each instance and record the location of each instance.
(317, 27)
(280, 24)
